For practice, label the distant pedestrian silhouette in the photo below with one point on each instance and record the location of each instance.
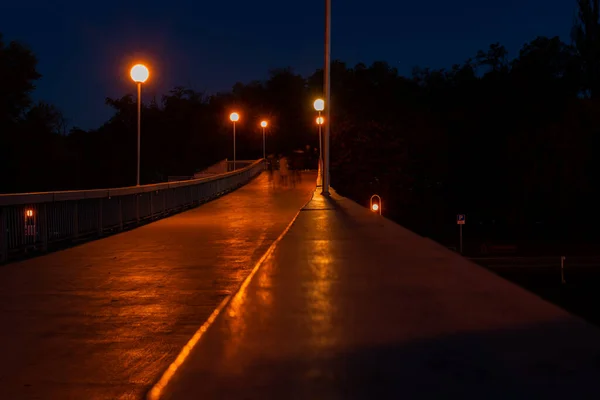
(284, 171)
(270, 169)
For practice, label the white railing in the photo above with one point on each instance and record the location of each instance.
(30, 222)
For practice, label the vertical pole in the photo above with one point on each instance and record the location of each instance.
(264, 147)
(3, 235)
(461, 240)
(75, 219)
(43, 218)
(320, 163)
(152, 204)
(139, 121)
(327, 82)
(100, 217)
(320, 141)
(234, 145)
(120, 213)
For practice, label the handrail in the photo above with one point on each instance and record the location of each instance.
(63, 195)
(32, 221)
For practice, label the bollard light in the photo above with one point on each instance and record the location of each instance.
(376, 204)
(29, 213)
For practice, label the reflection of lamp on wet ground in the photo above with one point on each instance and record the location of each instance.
(376, 204)
(139, 73)
(234, 117)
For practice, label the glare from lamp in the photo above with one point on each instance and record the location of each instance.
(139, 73)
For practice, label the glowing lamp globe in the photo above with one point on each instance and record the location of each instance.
(320, 120)
(263, 124)
(375, 207)
(234, 117)
(139, 73)
(319, 104)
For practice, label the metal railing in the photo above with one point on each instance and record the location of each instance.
(30, 222)
(231, 166)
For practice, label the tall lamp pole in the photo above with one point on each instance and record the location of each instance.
(327, 84)
(234, 117)
(264, 124)
(320, 122)
(139, 73)
(319, 106)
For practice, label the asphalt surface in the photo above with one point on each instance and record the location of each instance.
(103, 320)
(349, 305)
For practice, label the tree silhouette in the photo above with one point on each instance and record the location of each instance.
(510, 142)
(586, 37)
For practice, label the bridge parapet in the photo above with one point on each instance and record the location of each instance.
(33, 221)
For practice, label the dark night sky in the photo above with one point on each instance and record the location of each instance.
(85, 48)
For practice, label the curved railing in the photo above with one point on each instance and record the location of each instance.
(33, 221)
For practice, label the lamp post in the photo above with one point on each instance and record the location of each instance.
(139, 73)
(327, 84)
(264, 124)
(234, 117)
(320, 122)
(319, 106)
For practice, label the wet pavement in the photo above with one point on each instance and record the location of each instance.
(352, 306)
(104, 319)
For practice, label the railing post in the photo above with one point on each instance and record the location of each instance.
(43, 218)
(3, 236)
(137, 207)
(100, 217)
(120, 213)
(75, 219)
(152, 205)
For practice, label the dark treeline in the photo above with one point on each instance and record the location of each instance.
(511, 142)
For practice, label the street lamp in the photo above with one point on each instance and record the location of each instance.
(234, 117)
(139, 73)
(320, 122)
(327, 90)
(319, 106)
(264, 124)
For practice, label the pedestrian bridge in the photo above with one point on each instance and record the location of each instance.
(242, 288)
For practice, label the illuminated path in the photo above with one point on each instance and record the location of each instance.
(103, 320)
(350, 305)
